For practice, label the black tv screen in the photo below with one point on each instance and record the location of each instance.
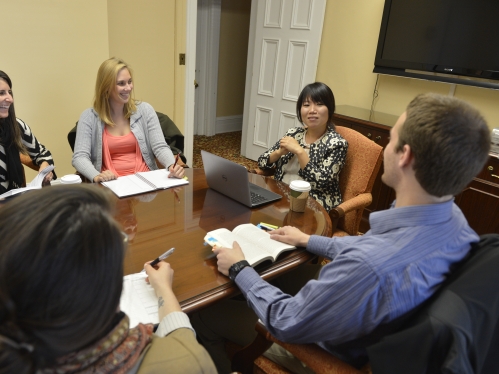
(451, 37)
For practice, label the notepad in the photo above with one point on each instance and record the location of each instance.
(143, 182)
(138, 300)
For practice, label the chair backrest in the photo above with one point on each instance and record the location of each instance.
(457, 331)
(362, 164)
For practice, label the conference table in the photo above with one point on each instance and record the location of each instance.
(180, 217)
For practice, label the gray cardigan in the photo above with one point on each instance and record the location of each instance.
(144, 123)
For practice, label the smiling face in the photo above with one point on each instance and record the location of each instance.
(123, 89)
(314, 114)
(6, 99)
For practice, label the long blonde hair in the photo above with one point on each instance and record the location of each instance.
(105, 83)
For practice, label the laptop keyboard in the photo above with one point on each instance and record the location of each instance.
(256, 198)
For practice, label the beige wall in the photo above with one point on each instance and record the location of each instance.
(144, 36)
(50, 49)
(54, 48)
(234, 31)
(346, 62)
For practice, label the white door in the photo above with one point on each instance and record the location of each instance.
(286, 38)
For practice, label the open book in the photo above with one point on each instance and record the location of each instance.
(255, 243)
(35, 184)
(146, 181)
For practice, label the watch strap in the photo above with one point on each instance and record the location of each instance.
(236, 268)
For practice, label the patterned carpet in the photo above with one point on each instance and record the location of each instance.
(226, 145)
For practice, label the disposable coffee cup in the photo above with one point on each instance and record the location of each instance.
(298, 195)
(71, 179)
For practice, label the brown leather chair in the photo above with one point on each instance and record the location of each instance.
(357, 178)
(364, 158)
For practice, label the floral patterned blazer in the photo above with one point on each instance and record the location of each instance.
(327, 157)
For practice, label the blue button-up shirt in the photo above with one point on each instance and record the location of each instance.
(372, 279)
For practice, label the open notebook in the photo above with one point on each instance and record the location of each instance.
(147, 181)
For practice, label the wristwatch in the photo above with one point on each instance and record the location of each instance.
(236, 268)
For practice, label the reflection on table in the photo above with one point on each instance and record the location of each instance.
(181, 217)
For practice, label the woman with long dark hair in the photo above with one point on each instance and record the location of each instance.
(314, 152)
(60, 287)
(15, 138)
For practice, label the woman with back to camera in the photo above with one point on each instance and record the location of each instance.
(15, 138)
(315, 152)
(60, 291)
(119, 135)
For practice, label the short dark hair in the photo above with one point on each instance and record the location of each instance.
(318, 92)
(61, 273)
(450, 141)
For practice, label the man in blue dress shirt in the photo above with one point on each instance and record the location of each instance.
(436, 148)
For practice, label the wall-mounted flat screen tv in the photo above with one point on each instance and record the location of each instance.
(455, 39)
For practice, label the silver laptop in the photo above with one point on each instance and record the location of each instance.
(231, 179)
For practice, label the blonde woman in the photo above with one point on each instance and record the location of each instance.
(119, 135)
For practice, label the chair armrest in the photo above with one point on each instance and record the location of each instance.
(316, 358)
(358, 202)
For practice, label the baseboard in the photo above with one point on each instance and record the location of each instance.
(228, 124)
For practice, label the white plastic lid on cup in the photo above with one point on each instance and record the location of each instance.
(299, 185)
(70, 179)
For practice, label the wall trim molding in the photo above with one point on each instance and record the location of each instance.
(229, 124)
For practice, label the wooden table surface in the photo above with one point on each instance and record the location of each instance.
(181, 217)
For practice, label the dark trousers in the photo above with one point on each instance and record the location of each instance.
(234, 320)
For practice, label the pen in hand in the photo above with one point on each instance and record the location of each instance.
(175, 163)
(160, 258)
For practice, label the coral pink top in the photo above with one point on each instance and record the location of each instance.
(121, 154)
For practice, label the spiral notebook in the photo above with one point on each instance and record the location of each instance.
(146, 181)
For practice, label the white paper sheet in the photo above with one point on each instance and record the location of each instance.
(138, 300)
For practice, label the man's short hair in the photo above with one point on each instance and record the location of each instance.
(449, 139)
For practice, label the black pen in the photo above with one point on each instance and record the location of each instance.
(160, 258)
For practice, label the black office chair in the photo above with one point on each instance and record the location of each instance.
(173, 137)
(458, 330)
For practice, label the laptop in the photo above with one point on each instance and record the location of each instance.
(231, 180)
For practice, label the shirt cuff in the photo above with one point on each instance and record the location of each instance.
(319, 244)
(172, 322)
(246, 279)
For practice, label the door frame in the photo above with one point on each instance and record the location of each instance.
(190, 76)
(211, 27)
(207, 48)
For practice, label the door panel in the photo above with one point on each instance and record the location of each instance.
(284, 60)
